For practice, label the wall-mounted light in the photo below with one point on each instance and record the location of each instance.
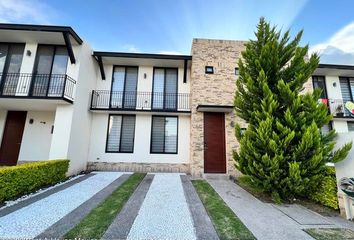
(334, 84)
(145, 75)
(29, 53)
(31, 121)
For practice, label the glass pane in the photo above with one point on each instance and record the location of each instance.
(158, 90)
(15, 56)
(42, 70)
(171, 135)
(157, 135)
(60, 62)
(131, 81)
(319, 83)
(350, 126)
(127, 143)
(114, 128)
(3, 54)
(117, 87)
(171, 89)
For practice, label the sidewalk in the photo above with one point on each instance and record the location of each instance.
(270, 221)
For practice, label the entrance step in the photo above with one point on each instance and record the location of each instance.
(216, 176)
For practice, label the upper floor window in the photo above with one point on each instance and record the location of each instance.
(124, 86)
(120, 133)
(164, 134)
(10, 65)
(165, 88)
(320, 83)
(209, 69)
(49, 71)
(237, 71)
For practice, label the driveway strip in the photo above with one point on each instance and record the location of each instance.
(64, 225)
(120, 227)
(30, 221)
(203, 226)
(26, 202)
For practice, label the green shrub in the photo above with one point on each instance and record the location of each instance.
(326, 193)
(25, 178)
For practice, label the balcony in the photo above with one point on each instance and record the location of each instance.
(140, 101)
(37, 86)
(337, 108)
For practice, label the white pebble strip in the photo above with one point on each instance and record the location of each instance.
(30, 221)
(164, 213)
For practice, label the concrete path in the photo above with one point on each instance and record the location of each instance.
(270, 221)
(164, 214)
(29, 221)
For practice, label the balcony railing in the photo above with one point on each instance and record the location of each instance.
(22, 85)
(140, 101)
(337, 107)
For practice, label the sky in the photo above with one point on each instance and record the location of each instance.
(168, 26)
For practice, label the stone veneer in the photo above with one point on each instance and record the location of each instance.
(213, 89)
(138, 167)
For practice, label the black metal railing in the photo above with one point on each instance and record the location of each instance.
(146, 101)
(337, 107)
(37, 85)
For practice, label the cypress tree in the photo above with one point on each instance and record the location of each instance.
(282, 150)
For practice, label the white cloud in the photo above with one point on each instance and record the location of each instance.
(130, 48)
(24, 11)
(339, 48)
(170, 52)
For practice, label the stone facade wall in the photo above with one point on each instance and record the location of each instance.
(137, 167)
(213, 89)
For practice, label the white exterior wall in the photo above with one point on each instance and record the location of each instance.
(141, 142)
(37, 137)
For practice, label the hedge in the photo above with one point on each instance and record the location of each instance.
(29, 177)
(326, 193)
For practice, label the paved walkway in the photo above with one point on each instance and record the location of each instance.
(29, 221)
(269, 221)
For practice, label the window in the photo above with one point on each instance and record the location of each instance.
(237, 71)
(319, 83)
(347, 89)
(123, 89)
(209, 69)
(164, 134)
(165, 88)
(325, 129)
(350, 126)
(120, 133)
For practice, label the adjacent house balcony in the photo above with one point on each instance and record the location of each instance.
(37, 86)
(140, 101)
(337, 108)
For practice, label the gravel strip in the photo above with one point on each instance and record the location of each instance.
(64, 225)
(30, 221)
(120, 227)
(31, 198)
(164, 213)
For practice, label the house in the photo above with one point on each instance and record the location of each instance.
(133, 111)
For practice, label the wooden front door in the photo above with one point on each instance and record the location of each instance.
(214, 143)
(12, 137)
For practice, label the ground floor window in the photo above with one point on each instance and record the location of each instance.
(164, 134)
(120, 133)
(350, 126)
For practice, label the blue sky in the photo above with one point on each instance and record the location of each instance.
(168, 26)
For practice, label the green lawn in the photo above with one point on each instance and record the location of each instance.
(330, 233)
(226, 223)
(94, 225)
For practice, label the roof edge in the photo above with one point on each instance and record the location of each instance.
(142, 55)
(336, 66)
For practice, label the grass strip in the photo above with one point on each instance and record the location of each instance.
(330, 233)
(226, 223)
(95, 224)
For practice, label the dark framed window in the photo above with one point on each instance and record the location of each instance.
(165, 88)
(319, 82)
(164, 135)
(209, 69)
(237, 71)
(350, 126)
(120, 133)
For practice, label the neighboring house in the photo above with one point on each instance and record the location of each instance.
(132, 111)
